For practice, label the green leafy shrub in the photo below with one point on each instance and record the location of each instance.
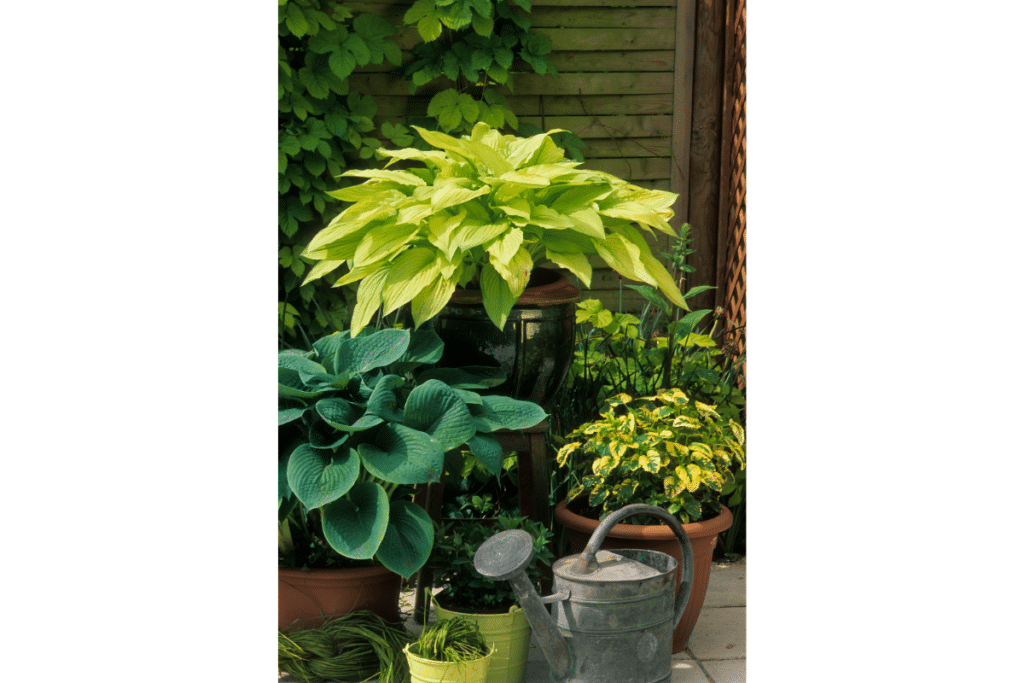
(661, 450)
(465, 590)
(372, 417)
(480, 213)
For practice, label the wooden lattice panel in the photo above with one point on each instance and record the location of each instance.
(733, 270)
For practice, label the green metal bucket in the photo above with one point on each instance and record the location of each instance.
(508, 635)
(431, 671)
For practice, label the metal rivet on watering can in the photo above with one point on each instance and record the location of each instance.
(614, 612)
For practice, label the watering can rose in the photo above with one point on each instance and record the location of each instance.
(481, 213)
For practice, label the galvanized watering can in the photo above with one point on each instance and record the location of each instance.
(614, 612)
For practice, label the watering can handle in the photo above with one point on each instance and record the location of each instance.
(597, 538)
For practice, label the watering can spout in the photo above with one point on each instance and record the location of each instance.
(504, 557)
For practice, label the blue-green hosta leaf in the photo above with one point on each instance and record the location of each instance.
(290, 386)
(383, 401)
(289, 414)
(434, 407)
(326, 437)
(425, 348)
(408, 540)
(327, 350)
(355, 524)
(342, 415)
(318, 477)
(466, 377)
(502, 412)
(488, 451)
(376, 350)
(402, 455)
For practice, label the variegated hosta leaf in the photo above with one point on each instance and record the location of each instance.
(577, 264)
(413, 270)
(497, 296)
(368, 298)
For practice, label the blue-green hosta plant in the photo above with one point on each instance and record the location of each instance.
(661, 450)
(479, 212)
(376, 418)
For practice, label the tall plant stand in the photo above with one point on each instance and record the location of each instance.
(530, 446)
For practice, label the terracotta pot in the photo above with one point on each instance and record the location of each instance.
(304, 598)
(536, 346)
(703, 537)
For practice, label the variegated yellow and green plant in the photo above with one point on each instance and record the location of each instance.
(481, 211)
(662, 450)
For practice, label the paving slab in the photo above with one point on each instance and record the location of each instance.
(720, 634)
(727, 586)
(733, 671)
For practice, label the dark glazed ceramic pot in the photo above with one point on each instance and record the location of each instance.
(536, 346)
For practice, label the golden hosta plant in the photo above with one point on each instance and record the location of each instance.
(661, 450)
(480, 212)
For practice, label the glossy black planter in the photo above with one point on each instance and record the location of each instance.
(536, 346)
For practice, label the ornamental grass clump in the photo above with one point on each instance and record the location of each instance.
(480, 213)
(354, 647)
(457, 639)
(662, 450)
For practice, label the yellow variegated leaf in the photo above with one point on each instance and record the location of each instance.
(516, 272)
(515, 207)
(352, 220)
(400, 177)
(737, 431)
(577, 264)
(414, 212)
(695, 477)
(565, 451)
(624, 257)
(358, 273)
(440, 140)
(368, 298)
(506, 246)
(663, 280)
(494, 162)
(471, 235)
(588, 222)
(431, 300)
(322, 268)
(705, 410)
(413, 270)
(453, 195)
(550, 219)
(497, 297)
(379, 244)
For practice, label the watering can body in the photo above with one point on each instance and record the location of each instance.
(612, 613)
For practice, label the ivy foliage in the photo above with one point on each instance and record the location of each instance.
(322, 124)
(473, 44)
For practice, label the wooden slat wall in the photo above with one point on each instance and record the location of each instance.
(640, 85)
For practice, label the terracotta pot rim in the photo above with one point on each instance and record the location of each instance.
(335, 572)
(652, 532)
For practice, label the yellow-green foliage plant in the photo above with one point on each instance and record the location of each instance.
(661, 450)
(481, 212)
